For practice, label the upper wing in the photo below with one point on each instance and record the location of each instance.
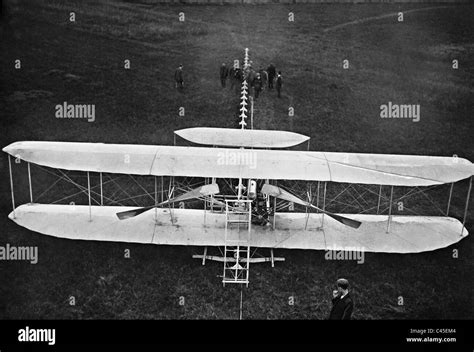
(383, 169)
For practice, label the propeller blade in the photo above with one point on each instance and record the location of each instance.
(278, 192)
(132, 213)
(342, 219)
(205, 190)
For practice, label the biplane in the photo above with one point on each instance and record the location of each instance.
(244, 213)
(246, 194)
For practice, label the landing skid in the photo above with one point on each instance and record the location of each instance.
(233, 260)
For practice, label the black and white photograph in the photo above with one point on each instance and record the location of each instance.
(236, 161)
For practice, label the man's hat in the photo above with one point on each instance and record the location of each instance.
(342, 283)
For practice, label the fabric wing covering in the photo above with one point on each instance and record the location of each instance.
(382, 169)
(236, 137)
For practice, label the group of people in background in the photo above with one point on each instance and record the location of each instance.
(257, 79)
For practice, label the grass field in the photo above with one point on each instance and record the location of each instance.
(82, 62)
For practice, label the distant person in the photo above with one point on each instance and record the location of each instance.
(342, 304)
(279, 83)
(264, 76)
(236, 78)
(271, 71)
(223, 73)
(247, 72)
(178, 77)
(231, 76)
(257, 85)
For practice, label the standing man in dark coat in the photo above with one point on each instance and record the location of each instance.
(271, 71)
(257, 85)
(235, 77)
(264, 76)
(279, 83)
(178, 77)
(232, 77)
(342, 304)
(223, 73)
